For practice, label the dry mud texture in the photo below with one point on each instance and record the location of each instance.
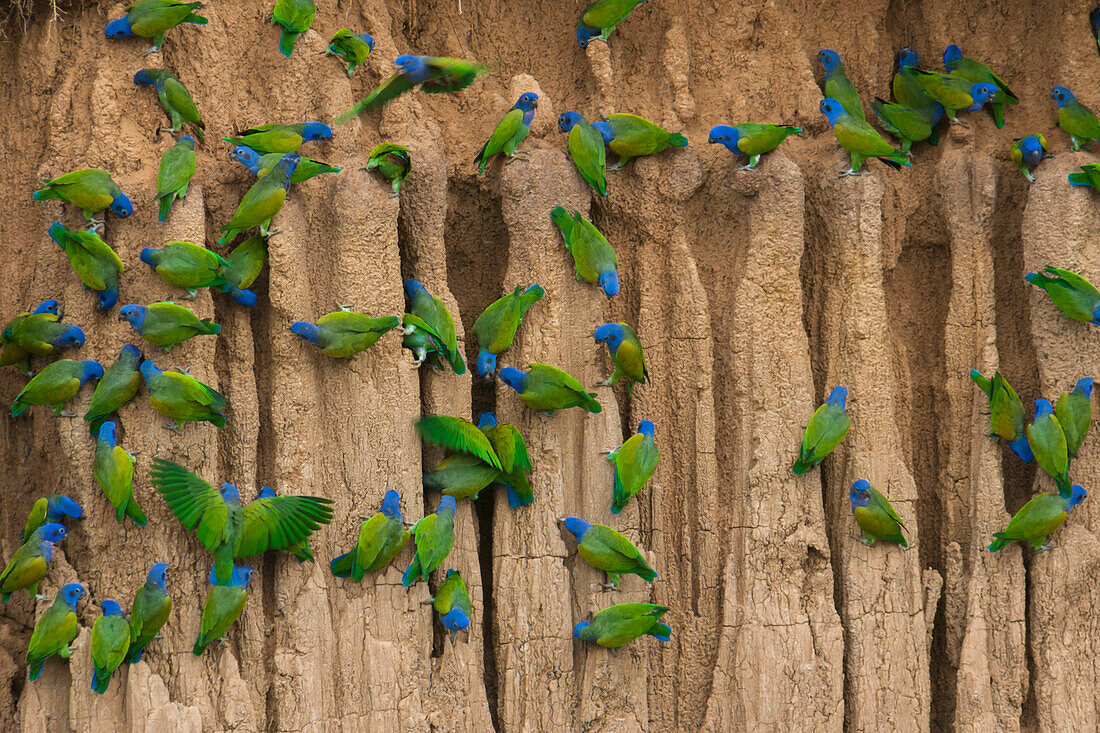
(753, 295)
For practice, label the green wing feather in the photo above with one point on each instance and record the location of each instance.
(391, 88)
(586, 148)
(278, 522)
(197, 505)
(457, 434)
(505, 131)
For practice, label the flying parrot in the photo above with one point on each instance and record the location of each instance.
(434, 74)
(510, 131)
(955, 93)
(118, 386)
(262, 201)
(181, 397)
(149, 612)
(113, 470)
(434, 536)
(837, 85)
(978, 73)
(92, 189)
(299, 549)
(626, 352)
(548, 389)
(511, 449)
(593, 257)
(586, 148)
(1072, 294)
(175, 99)
(1029, 150)
(1074, 413)
(95, 263)
(110, 641)
(227, 529)
(56, 384)
(474, 463)
(452, 603)
(622, 623)
(344, 333)
(1089, 175)
(46, 509)
(166, 324)
(260, 165)
(826, 429)
(635, 461)
(295, 17)
(1048, 443)
(353, 48)
(1077, 120)
(630, 136)
(29, 563)
(177, 166)
(751, 139)
(55, 631)
(151, 18)
(1039, 518)
(1007, 419)
(381, 538)
(608, 550)
(278, 138)
(875, 516)
(860, 139)
(908, 124)
(224, 604)
(600, 18)
(429, 331)
(495, 328)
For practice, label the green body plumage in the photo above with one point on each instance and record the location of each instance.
(53, 634)
(295, 17)
(307, 167)
(187, 265)
(1074, 413)
(879, 521)
(434, 536)
(444, 74)
(634, 136)
(110, 640)
(1037, 519)
(622, 623)
(1075, 296)
(151, 18)
(177, 166)
(344, 333)
(758, 138)
(91, 189)
(223, 606)
(30, 334)
(95, 263)
(55, 385)
(176, 100)
(908, 90)
(113, 469)
(907, 124)
(393, 161)
(27, 566)
(35, 518)
(950, 90)
(271, 138)
(592, 253)
(839, 87)
(184, 398)
(977, 73)
(612, 552)
(507, 135)
(381, 539)
(1089, 175)
(167, 324)
(549, 389)
(1079, 122)
(629, 360)
(244, 264)
(262, 201)
(511, 449)
(635, 462)
(118, 386)
(461, 476)
(459, 435)
(604, 15)
(586, 148)
(863, 141)
(1048, 444)
(351, 47)
(429, 331)
(148, 614)
(453, 594)
(495, 328)
(826, 429)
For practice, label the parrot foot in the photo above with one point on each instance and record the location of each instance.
(184, 370)
(605, 383)
(746, 168)
(191, 295)
(1030, 178)
(547, 413)
(40, 597)
(607, 586)
(345, 307)
(616, 167)
(96, 225)
(152, 50)
(849, 172)
(416, 364)
(1041, 548)
(960, 123)
(866, 541)
(607, 452)
(66, 413)
(394, 195)
(427, 602)
(174, 427)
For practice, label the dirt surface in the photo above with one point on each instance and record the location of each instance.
(752, 293)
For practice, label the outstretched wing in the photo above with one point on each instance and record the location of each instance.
(280, 521)
(197, 504)
(391, 88)
(457, 434)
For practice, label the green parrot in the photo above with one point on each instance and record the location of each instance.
(260, 165)
(38, 333)
(429, 331)
(458, 435)
(600, 18)
(110, 641)
(630, 136)
(452, 603)
(1037, 519)
(1072, 294)
(434, 536)
(29, 563)
(510, 131)
(548, 389)
(635, 461)
(182, 397)
(875, 516)
(92, 189)
(907, 89)
(1029, 150)
(118, 386)
(46, 509)
(55, 631)
(243, 265)
(166, 324)
(343, 333)
(751, 139)
(262, 201)
(976, 72)
(626, 352)
(605, 549)
(149, 612)
(278, 138)
(586, 148)
(224, 605)
(593, 257)
(908, 124)
(474, 463)
(955, 93)
(461, 476)
(1089, 175)
(95, 263)
(186, 265)
(434, 74)
(622, 623)
(113, 470)
(1074, 413)
(1007, 419)
(354, 48)
(295, 17)
(1077, 120)
(837, 85)
(56, 384)
(511, 449)
(177, 166)
(1048, 443)
(151, 18)
(393, 161)
(174, 98)
(860, 139)
(227, 529)
(495, 328)
(381, 538)
(826, 429)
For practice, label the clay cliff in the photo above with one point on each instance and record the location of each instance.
(753, 294)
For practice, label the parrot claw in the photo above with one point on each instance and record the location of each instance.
(745, 168)
(174, 427)
(1046, 547)
(607, 586)
(866, 541)
(66, 413)
(96, 226)
(849, 172)
(394, 195)
(40, 597)
(154, 49)
(607, 452)
(184, 370)
(605, 383)
(345, 307)
(190, 295)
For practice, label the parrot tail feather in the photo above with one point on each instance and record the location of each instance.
(286, 42)
(661, 631)
(18, 408)
(34, 668)
(801, 466)
(678, 140)
(592, 405)
(412, 574)
(1079, 179)
(999, 541)
(647, 574)
(134, 512)
(133, 656)
(341, 566)
(99, 686)
(1036, 279)
(200, 646)
(208, 327)
(165, 206)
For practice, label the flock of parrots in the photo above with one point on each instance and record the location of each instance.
(479, 454)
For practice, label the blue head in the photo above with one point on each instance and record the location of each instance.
(830, 59)
(486, 362)
(306, 330)
(586, 33)
(582, 632)
(1096, 316)
(415, 68)
(70, 594)
(1084, 387)
(609, 283)
(1062, 96)
(514, 378)
(316, 131)
(133, 314)
(1031, 149)
(952, 55)
(1076, 496)
(241, 575)
(230, 495)
(119, 28)
(645, 427)
(838, 396)
(150, 256)
(49, 306)
(907, 58)
(446, 504)
(725, 135)
(413, 288)
(487, 420)
(266, 492)
(129, 351)
(111, 608)
(832, 109)
(982, 93)
(391, 505)
(58, 506)
(860, 493)
(286, 166)
(244, 296)
(92, 370)
(121, 205)
(149, 370)
(576, 525)
(604, 128)
(1042, 407)
(106, 299)
(158, 575)
(527, 102)
(611, 334)
(59, 233)
(52, 532)
(568, 120)
(187, 141)
(247, 157)
(70, 336)
(107, 433)
(143, 79)
(368, 39)
(455, 620)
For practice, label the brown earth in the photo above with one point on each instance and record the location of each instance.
(753, 294)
